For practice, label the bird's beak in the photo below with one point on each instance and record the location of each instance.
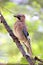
(16, 16)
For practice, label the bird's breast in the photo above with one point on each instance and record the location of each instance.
(18, 27)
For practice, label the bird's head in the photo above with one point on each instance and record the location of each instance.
(20, 17)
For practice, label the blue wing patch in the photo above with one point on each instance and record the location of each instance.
(25, 33)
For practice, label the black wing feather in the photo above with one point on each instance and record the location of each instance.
(25, 33)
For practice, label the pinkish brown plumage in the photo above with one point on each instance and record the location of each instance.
(20, 31)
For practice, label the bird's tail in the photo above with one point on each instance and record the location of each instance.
(28, 46)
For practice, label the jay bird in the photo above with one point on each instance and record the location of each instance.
(20, 31)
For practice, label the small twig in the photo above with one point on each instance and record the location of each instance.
(37, 59)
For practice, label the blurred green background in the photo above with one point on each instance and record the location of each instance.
(33, 10)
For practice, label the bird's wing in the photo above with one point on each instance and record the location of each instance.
(27, 43)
